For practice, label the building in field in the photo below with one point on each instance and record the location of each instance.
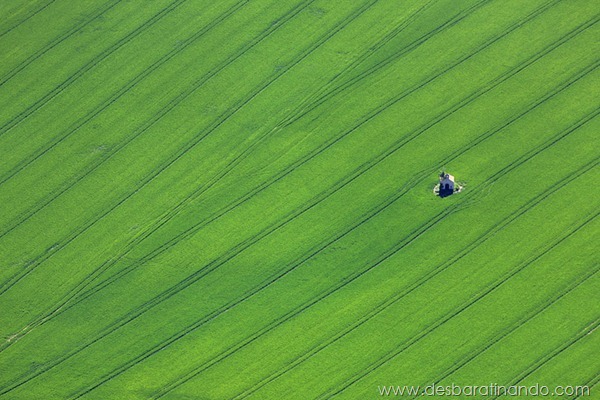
(447, 184)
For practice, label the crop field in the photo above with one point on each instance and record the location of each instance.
(234, 199)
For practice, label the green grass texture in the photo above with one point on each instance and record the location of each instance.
(234, 199)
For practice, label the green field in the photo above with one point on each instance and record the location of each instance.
(234, 199)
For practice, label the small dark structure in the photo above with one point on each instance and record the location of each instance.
(447, 184)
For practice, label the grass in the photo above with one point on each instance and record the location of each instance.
(234, 199)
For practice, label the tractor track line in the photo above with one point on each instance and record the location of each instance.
(55, 195)
(397, 145)
(27, 18)
(438, 218)
(6, 345)
(431, 328)
(249, 294)
(478, 140)
(172, 212)
(371, 71)
(514, 327)
(540, 362)
(313, 252)
(22, 218)
(492, 231)
(314, 103)
(194, 277)
(158, 116)
(100, 11)
(149, 178)
(325, 93)
(18, 168)
(293, 313)
(365, 55)
(36, 261)
(38, 104)
(198, 370)
(38, 153)
(303, 56)
(322, 346)
(591, 383)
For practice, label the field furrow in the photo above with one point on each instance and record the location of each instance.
(241, 199)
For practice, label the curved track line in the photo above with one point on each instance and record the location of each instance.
(591, 383)
(431, 328)
(194, 277)
(514, 327)
(59, 246)
(397, 145)
(492, 231)
(31, 15)
(45, 318)
(149, 178)
(358, 11)
(121, 92)
(436, 219)
(189, 329)
(109, 5)
(554, 353)
(170, 106)
(292, 314)
(5, 345)
(88, 66)
(278, 177)
(93, 114)
(170, 214)
(289, 268)
(478, 140)
(325, 93)
(54, 195)
(175, 210)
